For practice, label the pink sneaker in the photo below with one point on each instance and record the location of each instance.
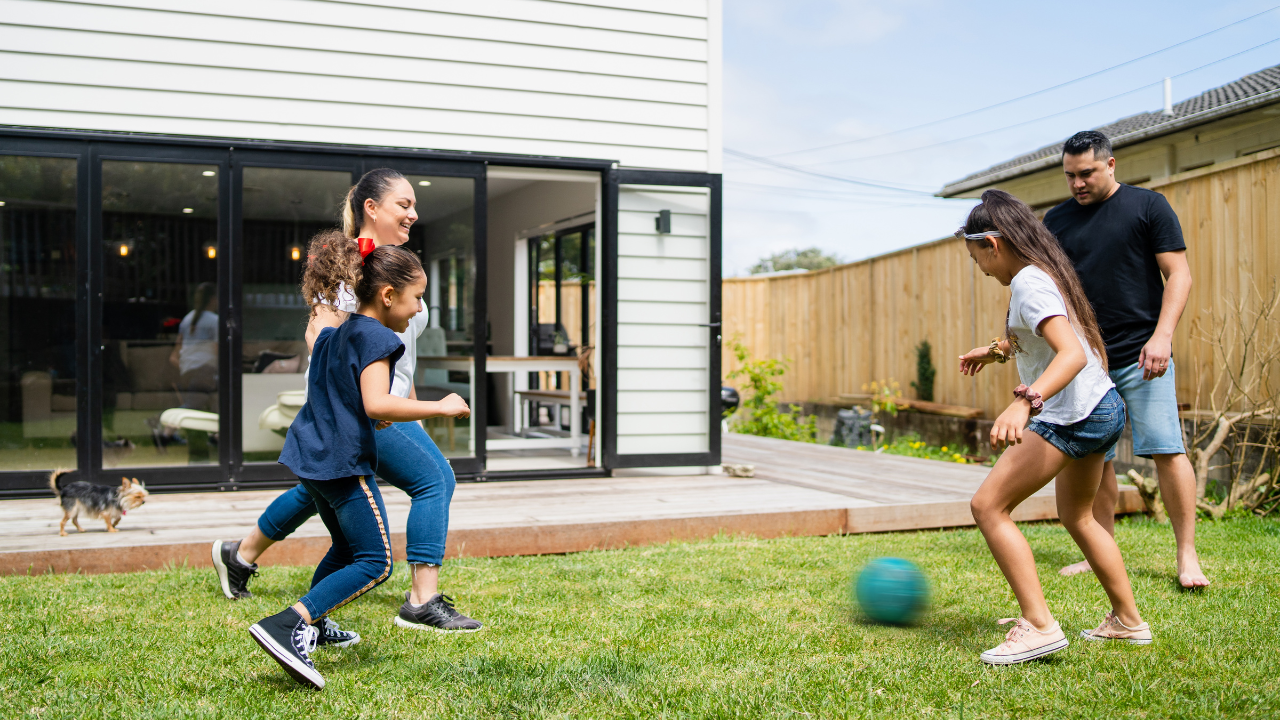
(1112, 629)
(1024, 642)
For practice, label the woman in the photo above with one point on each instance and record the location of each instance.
(196, 352)
(379, 210)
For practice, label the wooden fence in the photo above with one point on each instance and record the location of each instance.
(845, 326)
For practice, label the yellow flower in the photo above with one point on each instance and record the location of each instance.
(944, 448)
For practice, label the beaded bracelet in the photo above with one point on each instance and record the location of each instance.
(1030, 395)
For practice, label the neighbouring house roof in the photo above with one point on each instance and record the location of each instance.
(1260, 88)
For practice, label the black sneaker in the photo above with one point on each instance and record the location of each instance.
(331, 634)
(232, 574)
(436, 614)
(289, 640)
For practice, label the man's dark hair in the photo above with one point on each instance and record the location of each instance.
(1087, 140)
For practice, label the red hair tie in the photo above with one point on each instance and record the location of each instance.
(366, 247)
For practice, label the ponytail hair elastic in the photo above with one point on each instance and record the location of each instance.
(366, 247)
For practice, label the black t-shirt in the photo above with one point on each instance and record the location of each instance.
(1113, 245)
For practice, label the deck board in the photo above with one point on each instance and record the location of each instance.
(798, 489)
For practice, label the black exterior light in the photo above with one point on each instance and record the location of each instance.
(663, 222)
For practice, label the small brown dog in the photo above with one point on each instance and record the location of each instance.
(101, 501)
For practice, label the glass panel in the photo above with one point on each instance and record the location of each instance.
(160, 325)
(283, 208)
(444, 237)
(564, 301)
(37, 312)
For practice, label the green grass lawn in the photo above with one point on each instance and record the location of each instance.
(729, 628)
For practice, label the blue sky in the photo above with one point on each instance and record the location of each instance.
(800, 74)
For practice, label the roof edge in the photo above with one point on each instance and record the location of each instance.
(1182, 123)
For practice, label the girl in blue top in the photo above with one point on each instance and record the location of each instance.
(331, 447)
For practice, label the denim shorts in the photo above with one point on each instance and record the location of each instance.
(1097, 433)
(1153, 412)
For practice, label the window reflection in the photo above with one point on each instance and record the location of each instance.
(444, 238)
(283, 208)
(159, 315)
(37, 313)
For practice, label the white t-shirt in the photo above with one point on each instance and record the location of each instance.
(1034, 299)
(199, 343)
(402, 380)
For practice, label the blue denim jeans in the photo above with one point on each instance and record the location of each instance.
(360, 557)
(407, 459)
(1097, 433)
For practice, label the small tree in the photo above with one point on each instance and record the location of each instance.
(1240, 427)
(925, 372)
(763, 416)
(811, 259)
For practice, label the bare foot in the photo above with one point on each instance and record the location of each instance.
(1189, 573)
(1076, 569)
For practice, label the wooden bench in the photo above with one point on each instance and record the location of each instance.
(559, 398)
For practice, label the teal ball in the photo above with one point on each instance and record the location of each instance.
(892, 590)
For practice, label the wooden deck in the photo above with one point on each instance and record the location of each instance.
(798, 489)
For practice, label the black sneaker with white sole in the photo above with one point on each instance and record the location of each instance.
(233, 575)
(331, 634)
(436, 614)
(289, 640)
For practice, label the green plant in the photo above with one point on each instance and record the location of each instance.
(763, 417)
(810, 259)
(925, 371)
(911, 445)
(884, 395)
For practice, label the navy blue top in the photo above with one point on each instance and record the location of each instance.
(332, 437)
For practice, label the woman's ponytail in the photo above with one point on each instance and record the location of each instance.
(373, 185)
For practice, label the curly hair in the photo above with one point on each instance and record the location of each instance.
(332, 260)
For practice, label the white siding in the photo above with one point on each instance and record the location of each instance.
(629, 80)
(663, 371)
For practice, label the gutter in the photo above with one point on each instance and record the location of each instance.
(1119, 141)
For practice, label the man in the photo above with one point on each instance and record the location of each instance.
(1122, 240)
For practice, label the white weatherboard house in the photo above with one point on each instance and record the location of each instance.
(163, 164)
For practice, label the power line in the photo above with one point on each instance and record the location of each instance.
(1035, 120)
(825, 176)
(831, 195)
(1022, 97)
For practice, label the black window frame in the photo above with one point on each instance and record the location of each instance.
(90, 147)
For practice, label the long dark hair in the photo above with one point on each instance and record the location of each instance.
(205, 291)
(373, 185)
(387, 265)
(1032, 243)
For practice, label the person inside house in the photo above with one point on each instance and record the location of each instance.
(1126, 245)
(196, 352)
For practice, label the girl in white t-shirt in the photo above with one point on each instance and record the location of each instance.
(1073, 414)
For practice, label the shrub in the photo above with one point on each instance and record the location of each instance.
(763, 417)
(924, 372)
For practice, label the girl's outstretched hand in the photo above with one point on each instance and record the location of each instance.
(454, 406)
(972, 362)
(1007, 429)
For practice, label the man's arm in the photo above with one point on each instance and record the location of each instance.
(1155, 355)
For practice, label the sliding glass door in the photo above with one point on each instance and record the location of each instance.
(150, 315)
